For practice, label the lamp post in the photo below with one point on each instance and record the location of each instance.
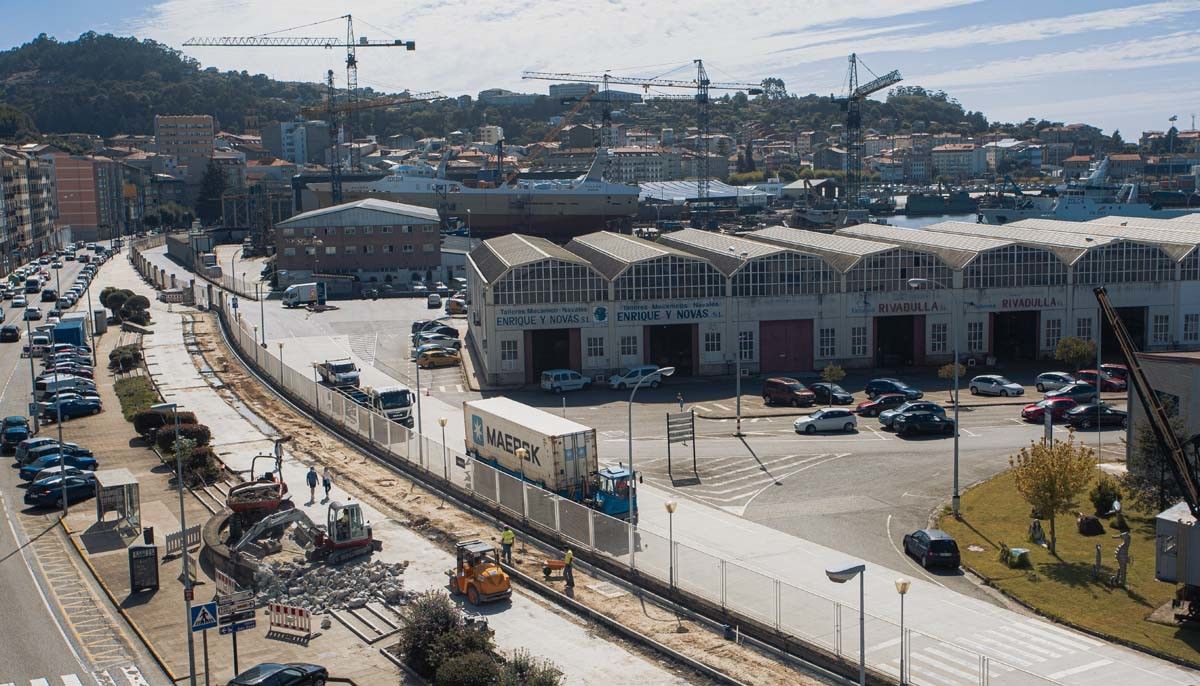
(917, 283)
(32, 376)
(187, 578)
(840, 575)
(233, 269)
(468, 228)
(660, 373)
(280, 361)
(902, 585)
(670, 505)
(262, 315)
(737, 343)
(446, 455)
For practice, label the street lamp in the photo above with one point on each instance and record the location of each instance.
(671, 505)
(902, 585)
(839, 575)
(187, 579)
(737, 344)
(660, 373)
(918, 283)
(281, 362)
(445, 455)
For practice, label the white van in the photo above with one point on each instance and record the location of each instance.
(560, 380)
(38, 344)
(44, 388)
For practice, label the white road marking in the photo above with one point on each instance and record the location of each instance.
(1080, 669)
(720, 406)
(908, 559)
(39, 682)
(1066, 632)
(700, 408)
(885, 644)
(458, 388)
(945, 668)
(71, 680)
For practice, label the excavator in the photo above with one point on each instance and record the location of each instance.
(1177, 535)
(345, 535)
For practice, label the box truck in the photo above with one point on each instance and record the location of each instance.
(304, 294)
(559, 454)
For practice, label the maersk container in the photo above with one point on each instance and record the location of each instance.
(561, 454)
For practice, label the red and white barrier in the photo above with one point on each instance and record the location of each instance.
(290, 617)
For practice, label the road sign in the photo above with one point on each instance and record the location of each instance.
(204, 616)
(33, 408)
(238, 626)
(234, 603)
(188, 594)
(234, 302)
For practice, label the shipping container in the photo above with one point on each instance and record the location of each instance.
(561, 454)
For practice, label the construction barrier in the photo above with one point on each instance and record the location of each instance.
(290, 617)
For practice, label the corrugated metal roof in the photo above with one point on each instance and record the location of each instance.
(1187, 224)
(681, 191)
(716, 248)
(839, 252)
(955, 250)
(610, 253)
(366, 212)
(1170, 242)
(496, 256)
(1069, 247)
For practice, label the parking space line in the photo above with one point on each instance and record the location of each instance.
(700, 408)
(721, 407)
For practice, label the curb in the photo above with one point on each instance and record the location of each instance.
(403, 667)
(162, 663)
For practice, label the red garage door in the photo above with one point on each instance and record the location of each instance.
(786, 345)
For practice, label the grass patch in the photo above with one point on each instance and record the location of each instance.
(136, 394)
(1062, 587)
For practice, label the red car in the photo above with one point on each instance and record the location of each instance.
(1058, 409)
(1107, 383)
(872, 408)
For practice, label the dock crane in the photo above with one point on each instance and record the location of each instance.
(702, 85)
(348, 43)
(851, 104)
(1177, 549)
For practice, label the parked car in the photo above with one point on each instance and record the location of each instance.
(1099, 415)
(32, 313)
(290, 674)
(443, 340)
(1081, 393)
(826, 419)
(15, 430)
(48, 492)
(10, 333)
(1057, 407)
(561, 380)
(68, 368)
(77, 358)
(782, 390)
(872, 408)
(30, 470)
(433, 301)
(932, 548)
(1107, 383)
(912, 423)
(1052, 381)
(19, 301)
(887, 417)
(37, 447)
(1117, 371)
(71, 408)
(436, 330)
(878, 387)
(414, 353)
(628, 378)
(438, 358)
(73, 394)
(59, 471)
(830, 394)
(991, 384)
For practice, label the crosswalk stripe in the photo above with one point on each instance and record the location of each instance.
(8, 684)
(1080, 669)
(720, 407)
(39, 682)
(943, 667)
(1021, 660)
(1042, 626)
(1028, 633)
(927, 675)
(134, 676)
(458, 388)
(1028, 644)
(71, 680)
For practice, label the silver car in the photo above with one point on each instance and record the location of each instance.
(991, 384)
(827, 419)
(1052, 381)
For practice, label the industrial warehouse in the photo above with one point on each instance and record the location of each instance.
(795, 301)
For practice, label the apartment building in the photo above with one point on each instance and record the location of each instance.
(189, 139)
(637, 165)
(26, 207)
(299, 142)
(88, 195)
(959, 161)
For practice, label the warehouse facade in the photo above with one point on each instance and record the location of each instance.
(790, 301)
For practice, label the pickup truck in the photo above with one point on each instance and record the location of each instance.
(337, 373)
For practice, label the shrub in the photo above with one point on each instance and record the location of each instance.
(1075, 352)
(459, 641)
(116, 300)
(526, 670)
(165, 438)
(149, 421)
(1102, 495)
(430, 615)
(136, 394)
(471, 669)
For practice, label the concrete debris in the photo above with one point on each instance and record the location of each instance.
(321, 588)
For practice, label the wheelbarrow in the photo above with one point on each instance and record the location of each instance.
(553, 568)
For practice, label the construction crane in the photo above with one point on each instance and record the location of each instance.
(702, 85)
(851, 104)
(349, 43)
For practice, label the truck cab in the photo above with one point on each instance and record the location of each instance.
(341, 372)
(612, 492)
(304, 294)
(395, 402)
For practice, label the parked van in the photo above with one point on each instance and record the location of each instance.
(560, 380)
(433, 301)
(782, 390)
(38, 344)
(456, 306)
(46, 387)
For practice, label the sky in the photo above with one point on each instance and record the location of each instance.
(1116, 64)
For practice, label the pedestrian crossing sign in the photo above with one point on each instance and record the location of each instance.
(204, 616)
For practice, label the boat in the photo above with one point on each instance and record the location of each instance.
(555, 209)
(928, 204)
(1090, 199)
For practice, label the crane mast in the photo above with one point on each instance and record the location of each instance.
(851, 104)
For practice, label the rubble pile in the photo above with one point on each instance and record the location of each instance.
(320, 588)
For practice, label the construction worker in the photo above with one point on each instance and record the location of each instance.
(506, 543)
(312, 485)
(568, 570)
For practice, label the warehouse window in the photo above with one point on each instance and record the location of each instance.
(508, 355)
(331, 250)
(629, 346)
(289, 252)
(351, 250)
(746, 345)
(1161, 329)
(785, 273)
(1124, 262)
(1191, 328)
(1083, 328)
(389, 248)
(669, 277)
(937, 338)
(974, 337)
(369, 249)
(712, 341)
(858, 341)
(828, 343)
(1015, 266)
(890, 271)
(550, 281)
(595, 346)
(407, 248)
(1189, 269)
(1053, 333)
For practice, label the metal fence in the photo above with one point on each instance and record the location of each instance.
(804, 614)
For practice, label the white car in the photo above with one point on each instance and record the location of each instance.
(827, 419)
(990, 384)
(628, 378)
(561, 380)
(19, 301)
(1052, 381)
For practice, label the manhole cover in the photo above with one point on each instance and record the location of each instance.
(607, 589)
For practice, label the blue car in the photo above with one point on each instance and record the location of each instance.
(16, 429)
(49, 491)
(71, 408)
(30, 470)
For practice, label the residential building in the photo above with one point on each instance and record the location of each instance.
(301, 142)
(579, 136)
(88, 195)
(233, 163)
(830, 158)
(1127, 165)
(189, 139)
(26, 207)
(502, 97)
(692, 166)
(959, 161)
(491, 134)
(636, 165)
(1076, 166)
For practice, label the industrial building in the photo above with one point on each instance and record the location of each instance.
(792, 301)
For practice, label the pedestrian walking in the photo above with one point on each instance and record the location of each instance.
(568, 568)
(506, 543)
(679, 399)
(327, 482)
(312, 485)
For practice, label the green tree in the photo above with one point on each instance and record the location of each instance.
(116, 300)
(1075, 351)
(832, 374)
(1051, 477)
(1150, 479)
(523, 669)
(212, 185)
(749, 156)
(946, 373)
(774, 88)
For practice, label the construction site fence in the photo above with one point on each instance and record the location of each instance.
(804, 614)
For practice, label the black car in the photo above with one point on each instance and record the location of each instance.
(275, 674)
(932, 547)
(1088, 416)
(923, 423)
(49, 295)
(877, 387)
(825, 391)
(10, 333)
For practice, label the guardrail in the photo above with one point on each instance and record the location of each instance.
(290, 618)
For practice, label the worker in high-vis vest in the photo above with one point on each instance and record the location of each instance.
(506, 543)
(568, 573)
